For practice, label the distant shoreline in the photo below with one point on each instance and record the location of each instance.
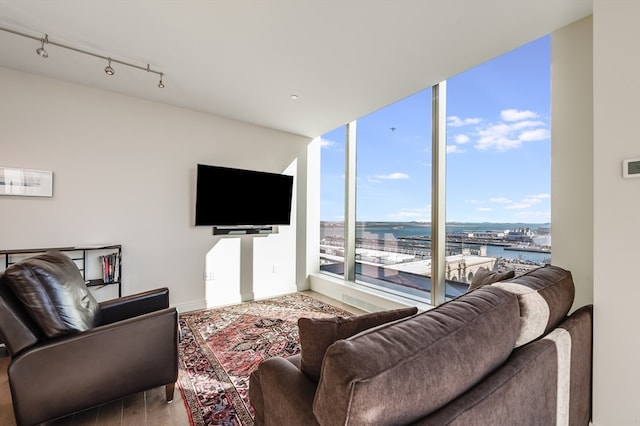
(417, 236)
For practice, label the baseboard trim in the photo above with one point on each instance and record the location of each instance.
(191, 306)
(350, 293)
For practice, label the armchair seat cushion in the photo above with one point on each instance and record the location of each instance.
(53, 292)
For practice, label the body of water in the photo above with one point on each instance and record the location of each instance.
(394, 230)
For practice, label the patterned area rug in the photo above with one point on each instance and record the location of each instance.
(221, 347)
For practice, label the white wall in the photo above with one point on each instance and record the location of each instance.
(616, 224)
(124, 172)
(572, 154)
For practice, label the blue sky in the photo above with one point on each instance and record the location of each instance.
(498, 149)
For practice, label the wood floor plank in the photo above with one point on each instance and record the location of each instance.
(157, 409)
(110, 414)
(133, 410)
(179, 410)
(6, 408)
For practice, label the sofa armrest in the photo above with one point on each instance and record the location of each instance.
(136, 304)
(96, 366)
(287, 394)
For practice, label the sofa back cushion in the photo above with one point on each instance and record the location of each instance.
(53, 292)
(545, 296)
(317, 334)
(484, 276)
(399, 372)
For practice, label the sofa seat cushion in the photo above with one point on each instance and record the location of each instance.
(545, 296)
(53, 292)
(399, 372)
(317, 334)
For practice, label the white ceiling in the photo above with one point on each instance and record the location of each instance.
(243, 59)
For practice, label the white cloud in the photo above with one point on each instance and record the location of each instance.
(505, 136)
(455, 121)
(534, 199)
(517, 115)
(462, 139)
(534, 135)
(498, 137)
(417, 214)
(325, 143)
(394, 176)
(518, 206)
(540, 196)
(531, 200)
(454, 149)
(484, 209)
(524, 124)
(515, 128)
(533, 216)
(501, 200)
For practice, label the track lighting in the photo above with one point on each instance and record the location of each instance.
(41, 50)
(108, 69)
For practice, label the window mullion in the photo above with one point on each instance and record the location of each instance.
(350, 204)
(438, 195)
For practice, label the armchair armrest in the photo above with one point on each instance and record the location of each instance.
(134, 305)
(287, 393)
(96, 366)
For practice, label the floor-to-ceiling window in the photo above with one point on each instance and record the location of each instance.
(498, 165)
(393, 196)
(332, 193)
(497, 180)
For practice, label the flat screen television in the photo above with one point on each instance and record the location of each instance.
(235, 197)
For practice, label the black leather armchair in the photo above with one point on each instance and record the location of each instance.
(69, 352)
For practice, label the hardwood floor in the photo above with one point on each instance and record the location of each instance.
(145, 408)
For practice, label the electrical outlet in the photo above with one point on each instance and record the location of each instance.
(275, 269)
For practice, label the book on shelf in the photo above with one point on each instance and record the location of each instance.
(110, 268)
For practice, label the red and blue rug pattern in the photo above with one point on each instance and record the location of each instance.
(220, 348)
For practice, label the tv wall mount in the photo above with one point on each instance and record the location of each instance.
(245, 230)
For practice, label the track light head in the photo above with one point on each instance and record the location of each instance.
(41, 50)
(108, 69)
(160, 83)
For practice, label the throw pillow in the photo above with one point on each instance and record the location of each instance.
(484, 276)
(53, 292)
(317, 334)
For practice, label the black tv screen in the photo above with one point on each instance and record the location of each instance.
(236, 197)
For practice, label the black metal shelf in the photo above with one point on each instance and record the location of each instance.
(15, 255)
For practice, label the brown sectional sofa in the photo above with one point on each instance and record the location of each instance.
(502, 354)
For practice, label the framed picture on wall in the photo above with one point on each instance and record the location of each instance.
(26, 182)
